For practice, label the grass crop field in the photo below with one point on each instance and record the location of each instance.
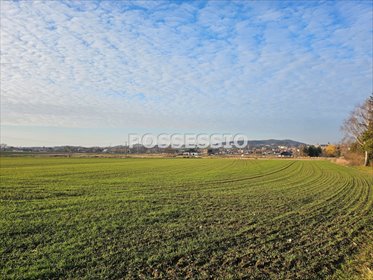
(183, 218)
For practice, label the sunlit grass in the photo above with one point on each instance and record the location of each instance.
(180, 218)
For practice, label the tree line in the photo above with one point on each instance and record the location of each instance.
(312, 151)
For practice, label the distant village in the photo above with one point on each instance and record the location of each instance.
(264, 149)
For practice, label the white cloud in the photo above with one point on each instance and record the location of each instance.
(163, 65)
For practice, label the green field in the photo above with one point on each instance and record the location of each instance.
(182, 218)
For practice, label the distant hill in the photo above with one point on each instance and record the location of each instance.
(273, 143)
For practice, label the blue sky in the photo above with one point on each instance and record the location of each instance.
(89, 73)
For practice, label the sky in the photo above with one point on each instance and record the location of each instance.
(91, 72)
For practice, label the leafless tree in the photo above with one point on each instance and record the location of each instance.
(359, 126)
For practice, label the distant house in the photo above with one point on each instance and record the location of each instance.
(285, 154)
(190, 154)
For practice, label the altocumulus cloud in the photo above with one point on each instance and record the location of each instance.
(262, 68)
